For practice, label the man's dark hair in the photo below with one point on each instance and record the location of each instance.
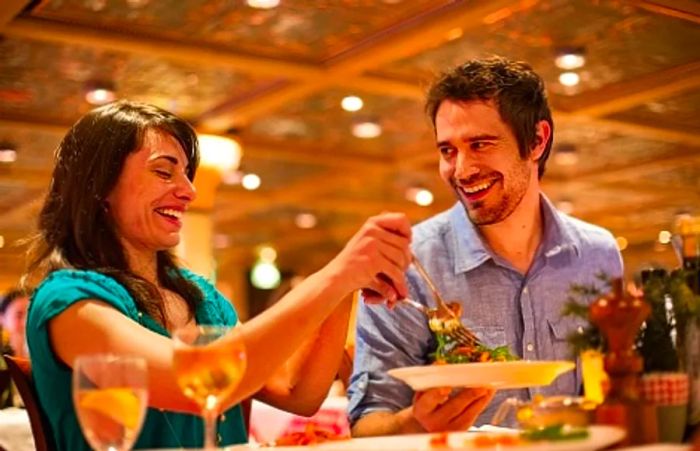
(514, 87)
(75, 228)
(8, 298)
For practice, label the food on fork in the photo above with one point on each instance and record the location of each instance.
(450, 351)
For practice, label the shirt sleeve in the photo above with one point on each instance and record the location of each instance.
(60, 290)
(386, 339)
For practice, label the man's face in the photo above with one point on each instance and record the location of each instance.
(479, 159)
(15, 317)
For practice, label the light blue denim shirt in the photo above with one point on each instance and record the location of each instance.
(500, 304)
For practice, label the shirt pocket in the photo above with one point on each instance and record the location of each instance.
(490, 336)
(560, 349)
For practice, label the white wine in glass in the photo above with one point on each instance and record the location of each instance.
(110, 394)
(209, 363)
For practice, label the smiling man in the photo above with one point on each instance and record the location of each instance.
(503, 251)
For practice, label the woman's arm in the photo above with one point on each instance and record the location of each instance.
(381, 247)
(303, 383)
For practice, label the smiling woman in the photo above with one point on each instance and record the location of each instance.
(121, 184)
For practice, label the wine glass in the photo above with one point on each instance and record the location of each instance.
(209, 362)
(110, 394)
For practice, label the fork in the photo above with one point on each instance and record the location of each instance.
(461, 334)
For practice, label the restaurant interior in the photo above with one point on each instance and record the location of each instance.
(626, 151)
(318, 105)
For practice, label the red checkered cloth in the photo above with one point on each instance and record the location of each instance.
(665, 389)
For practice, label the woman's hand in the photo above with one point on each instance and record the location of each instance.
(376, 258)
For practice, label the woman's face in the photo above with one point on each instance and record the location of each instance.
(152, 194)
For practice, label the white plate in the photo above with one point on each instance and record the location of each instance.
(515, 374)
(599, 437)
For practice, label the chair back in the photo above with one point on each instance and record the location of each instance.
(21, 374)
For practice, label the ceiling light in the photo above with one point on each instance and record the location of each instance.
(251, 181)
(8, 155)
(100, 92)
(453, 34)
(569, 78)
(267, 254)
(566, 155)
(622, 242)
(232, 178)
(263, 4)
(366, 130)
(420, 196)
(306, 220)
(219, 152)
(265, 275)
(352, 103)
(570, 58)
(565, 206)
(2, 241)
(664, 237)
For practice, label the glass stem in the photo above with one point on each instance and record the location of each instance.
(210, 430)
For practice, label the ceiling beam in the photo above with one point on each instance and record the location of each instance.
(405, 40)
(680, 9)
(640, 130)
(10, 9)
(630, 93)
(63, 33)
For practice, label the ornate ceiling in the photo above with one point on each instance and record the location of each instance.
(276, 77)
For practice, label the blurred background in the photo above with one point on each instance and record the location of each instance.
(321, 101)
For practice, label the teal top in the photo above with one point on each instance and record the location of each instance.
(52, 377)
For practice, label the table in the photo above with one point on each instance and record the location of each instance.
(268, 423)
(15, 430)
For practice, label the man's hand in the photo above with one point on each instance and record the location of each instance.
(436, 411)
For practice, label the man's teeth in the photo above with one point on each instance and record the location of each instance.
(476, 188)
(169, 212)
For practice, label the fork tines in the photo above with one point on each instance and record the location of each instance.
(464, 336)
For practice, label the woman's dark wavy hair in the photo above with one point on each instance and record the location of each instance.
(516, 89)
(75, 228)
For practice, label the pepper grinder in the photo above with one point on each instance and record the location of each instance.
(619, 316)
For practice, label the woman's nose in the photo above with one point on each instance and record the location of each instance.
(186, 190)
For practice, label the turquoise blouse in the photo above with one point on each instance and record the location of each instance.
(52, 377)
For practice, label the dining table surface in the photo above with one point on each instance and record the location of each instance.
(15, 430)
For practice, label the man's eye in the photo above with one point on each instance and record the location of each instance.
(479, 145)
(163, 174)
(445, 151)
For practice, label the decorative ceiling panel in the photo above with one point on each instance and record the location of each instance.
(51, 79)
(597, 150)
(319, 121)
(680, 112)
(274, 176)
(620, 41)
(35, 148)
(312, 30)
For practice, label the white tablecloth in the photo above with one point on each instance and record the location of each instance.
(15, 431)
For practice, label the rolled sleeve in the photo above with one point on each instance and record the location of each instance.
(385, 339)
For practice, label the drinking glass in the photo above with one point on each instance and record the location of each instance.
(110, 394)
(209, 363)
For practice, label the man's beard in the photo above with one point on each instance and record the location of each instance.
(478, 211)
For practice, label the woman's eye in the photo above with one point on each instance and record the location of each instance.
(163, 174)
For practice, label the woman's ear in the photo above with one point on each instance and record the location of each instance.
(543, 134)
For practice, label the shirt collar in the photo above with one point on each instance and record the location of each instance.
(470, 249)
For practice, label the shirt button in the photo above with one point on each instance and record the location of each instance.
(579, 329)
(525, 290)
(530, 347)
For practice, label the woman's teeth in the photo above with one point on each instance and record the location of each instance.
(169, 212)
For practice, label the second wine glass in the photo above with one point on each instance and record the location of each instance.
(209, 363)
(110, 395)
